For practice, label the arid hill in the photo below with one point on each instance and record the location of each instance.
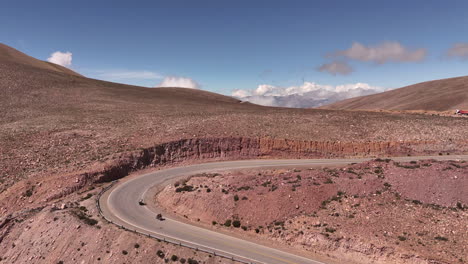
(63, 135)
(438, 95)
(11, 55)
(54, 120)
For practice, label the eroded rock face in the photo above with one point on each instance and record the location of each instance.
(227, 148)
(241, 148)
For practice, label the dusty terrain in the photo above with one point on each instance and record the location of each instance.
(72, 232)
(439, 95)
(374, 212)
(61, 133)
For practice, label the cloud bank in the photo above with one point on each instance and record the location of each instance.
(174, 81)
(125, 74)
(459, 50)
(307, 95)
(61, 58)
(382, 53)
(336, 67)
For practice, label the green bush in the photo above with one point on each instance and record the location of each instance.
(228, 223)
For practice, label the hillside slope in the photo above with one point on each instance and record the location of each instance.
(53, 115)
(11, 55)
(438, 95)
(62, 133)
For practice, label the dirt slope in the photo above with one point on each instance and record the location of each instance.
(438, 95)
(373, 212)
(11, 55)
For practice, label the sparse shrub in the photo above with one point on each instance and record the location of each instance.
(192, 261)
(174, 258)
(89, 195)
(182, 260)
(124, 252)
(228, 223)
(243, 188)
(29, 192)
(85, 218)
(244, 228)
(136, 245)
(328, 181)
(236, 198)
(185, 188)
(236, 223)
(387, 185)
(330, 229)
(208, 190)
(402, 238)
(441, 238)
(160, 254)
(214, 223)
(257, 230)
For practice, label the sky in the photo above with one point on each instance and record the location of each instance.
(284, 53)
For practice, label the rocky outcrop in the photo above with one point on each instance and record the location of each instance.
(283, 147)
(242, 148)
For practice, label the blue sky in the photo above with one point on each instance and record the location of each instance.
(229, 45)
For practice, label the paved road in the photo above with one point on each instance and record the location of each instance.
(120, 204)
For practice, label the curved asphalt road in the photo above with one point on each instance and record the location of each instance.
(120, 204)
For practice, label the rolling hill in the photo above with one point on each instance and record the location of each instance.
(438, 95)
(63, 135)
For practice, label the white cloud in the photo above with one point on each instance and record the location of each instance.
(382, 53)
(174, 81)
(458, 50)
(336, 67)
(309, 94)
(61, 58)
(125, 75)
